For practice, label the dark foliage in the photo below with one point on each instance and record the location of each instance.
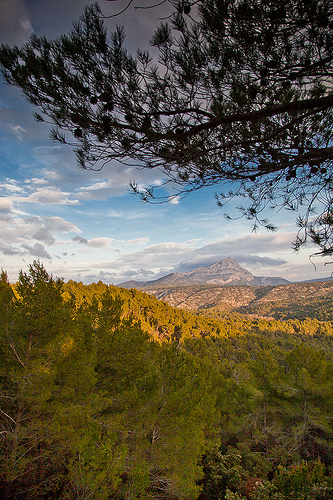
(241, 98)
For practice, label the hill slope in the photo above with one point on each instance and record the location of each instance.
(294, 300)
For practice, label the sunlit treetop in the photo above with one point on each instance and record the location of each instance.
(240, 97)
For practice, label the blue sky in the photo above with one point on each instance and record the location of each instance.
(86, 225)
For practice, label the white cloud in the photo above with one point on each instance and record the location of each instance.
(17, 130)
(43, 234)
(5, 205)
(174, 200)
(137, 242)
(100, 243)
(36, 181)
(50, 196)
(37, 190)
(11, 186)
(19, 234)
(97, 186)
(102, 190)
(157, 260)
(50, 227)
(126, 215)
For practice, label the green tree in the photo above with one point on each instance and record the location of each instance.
(55, 442)
(262, 421)
(308, 403)
(33, 320)
(302, 481)
(241, 95)
(162, 400)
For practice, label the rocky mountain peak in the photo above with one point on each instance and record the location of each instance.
(224, 272)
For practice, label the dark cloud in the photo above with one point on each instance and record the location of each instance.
(20, 18)
(15, 25)
(79, 239)
(139, 274)
(106, 277)
(37, 250)
(51, 225)
(262, 261)
(7, 250)
(43, 234)
(251, 245)
(195, 262)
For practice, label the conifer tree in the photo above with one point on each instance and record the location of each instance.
(241, 98)
(31, 324)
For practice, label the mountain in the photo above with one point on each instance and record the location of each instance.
(224, 272)
(226, 286)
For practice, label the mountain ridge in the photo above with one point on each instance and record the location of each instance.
(226, 271)
(226, 286)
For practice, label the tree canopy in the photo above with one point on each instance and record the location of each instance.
(240, 97)
(110, 394)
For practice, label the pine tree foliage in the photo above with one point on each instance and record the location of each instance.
(241, 98)
(99, 401)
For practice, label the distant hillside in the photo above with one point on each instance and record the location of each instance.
(226, 286)
(293, 300)
(225, 272)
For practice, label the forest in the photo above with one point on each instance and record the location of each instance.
(109, 393)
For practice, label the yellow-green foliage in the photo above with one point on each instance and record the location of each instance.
(108, 393)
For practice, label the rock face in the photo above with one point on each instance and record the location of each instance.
(225, 272)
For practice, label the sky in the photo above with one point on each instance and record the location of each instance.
(88, 226)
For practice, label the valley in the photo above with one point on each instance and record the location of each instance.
(226, 286)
